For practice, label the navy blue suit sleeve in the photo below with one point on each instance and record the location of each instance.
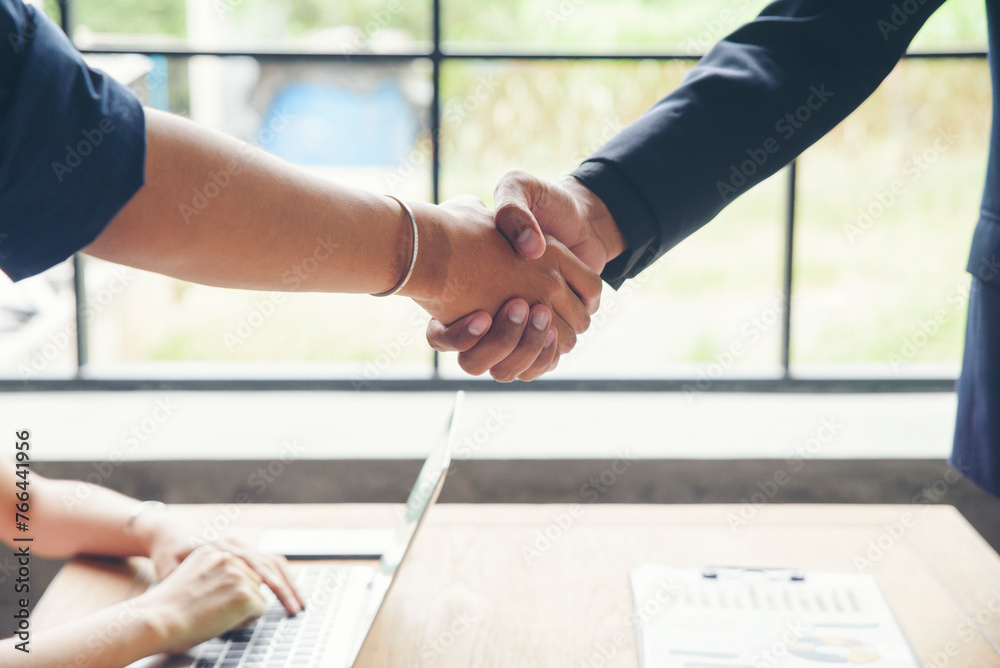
(72, 144)
(756, 101)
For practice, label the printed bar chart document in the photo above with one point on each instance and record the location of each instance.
(757, 618)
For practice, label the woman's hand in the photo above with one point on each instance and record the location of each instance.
(464, 264)
(207, 594)
(170, 543)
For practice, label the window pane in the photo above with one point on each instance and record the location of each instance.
(716, 290)
(958, 25)
(642, 26)
(38, 325)
(310, 25)
(887, 203)
(357, 124)
(634, 26)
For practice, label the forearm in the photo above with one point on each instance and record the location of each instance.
(111, 638)
(74, 518)
(220, 212)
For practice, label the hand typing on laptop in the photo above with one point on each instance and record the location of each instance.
(204, 591)
(171, 541)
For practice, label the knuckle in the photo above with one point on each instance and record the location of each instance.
(502, 375)
(470, 366)
(552, 282)
(515, 175)
(567, 342)
(504, 210)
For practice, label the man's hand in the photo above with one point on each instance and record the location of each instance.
(528, 212)
(464, 263)
(528, 209)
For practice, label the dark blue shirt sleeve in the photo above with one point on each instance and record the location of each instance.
(756, 101)
(72, 145)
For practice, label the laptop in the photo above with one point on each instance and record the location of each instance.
(342, 602)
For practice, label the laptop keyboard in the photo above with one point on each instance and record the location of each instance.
(277, 639)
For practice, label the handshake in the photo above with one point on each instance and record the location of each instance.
(513, 305)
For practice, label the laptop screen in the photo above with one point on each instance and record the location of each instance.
(424, 493)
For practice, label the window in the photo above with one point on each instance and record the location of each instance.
(310, 80)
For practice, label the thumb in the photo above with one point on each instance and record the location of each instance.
(165, 564)
(513, 198)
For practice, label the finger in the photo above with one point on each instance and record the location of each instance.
(555, 363)
(166, 563)
(550, 352)
(460, 335)
(528, 348)
(270, 570)
(580, 278)
(256, 606)
(500, 341)
(286, 573)
(513, 198)
(282, 587)
(565, 334)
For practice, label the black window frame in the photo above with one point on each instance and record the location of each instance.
(82, 380)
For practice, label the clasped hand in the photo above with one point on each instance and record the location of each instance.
(557, 236)
(469, 276)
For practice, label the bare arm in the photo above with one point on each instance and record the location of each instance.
(217, 211)
(70, 518)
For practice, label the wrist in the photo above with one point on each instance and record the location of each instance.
(147, 521)
(597, 215)
(159, 626)
(427, 283)
(160, 531)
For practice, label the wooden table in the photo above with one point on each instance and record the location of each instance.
(482, 589)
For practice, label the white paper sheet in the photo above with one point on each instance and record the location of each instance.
(763, 619)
